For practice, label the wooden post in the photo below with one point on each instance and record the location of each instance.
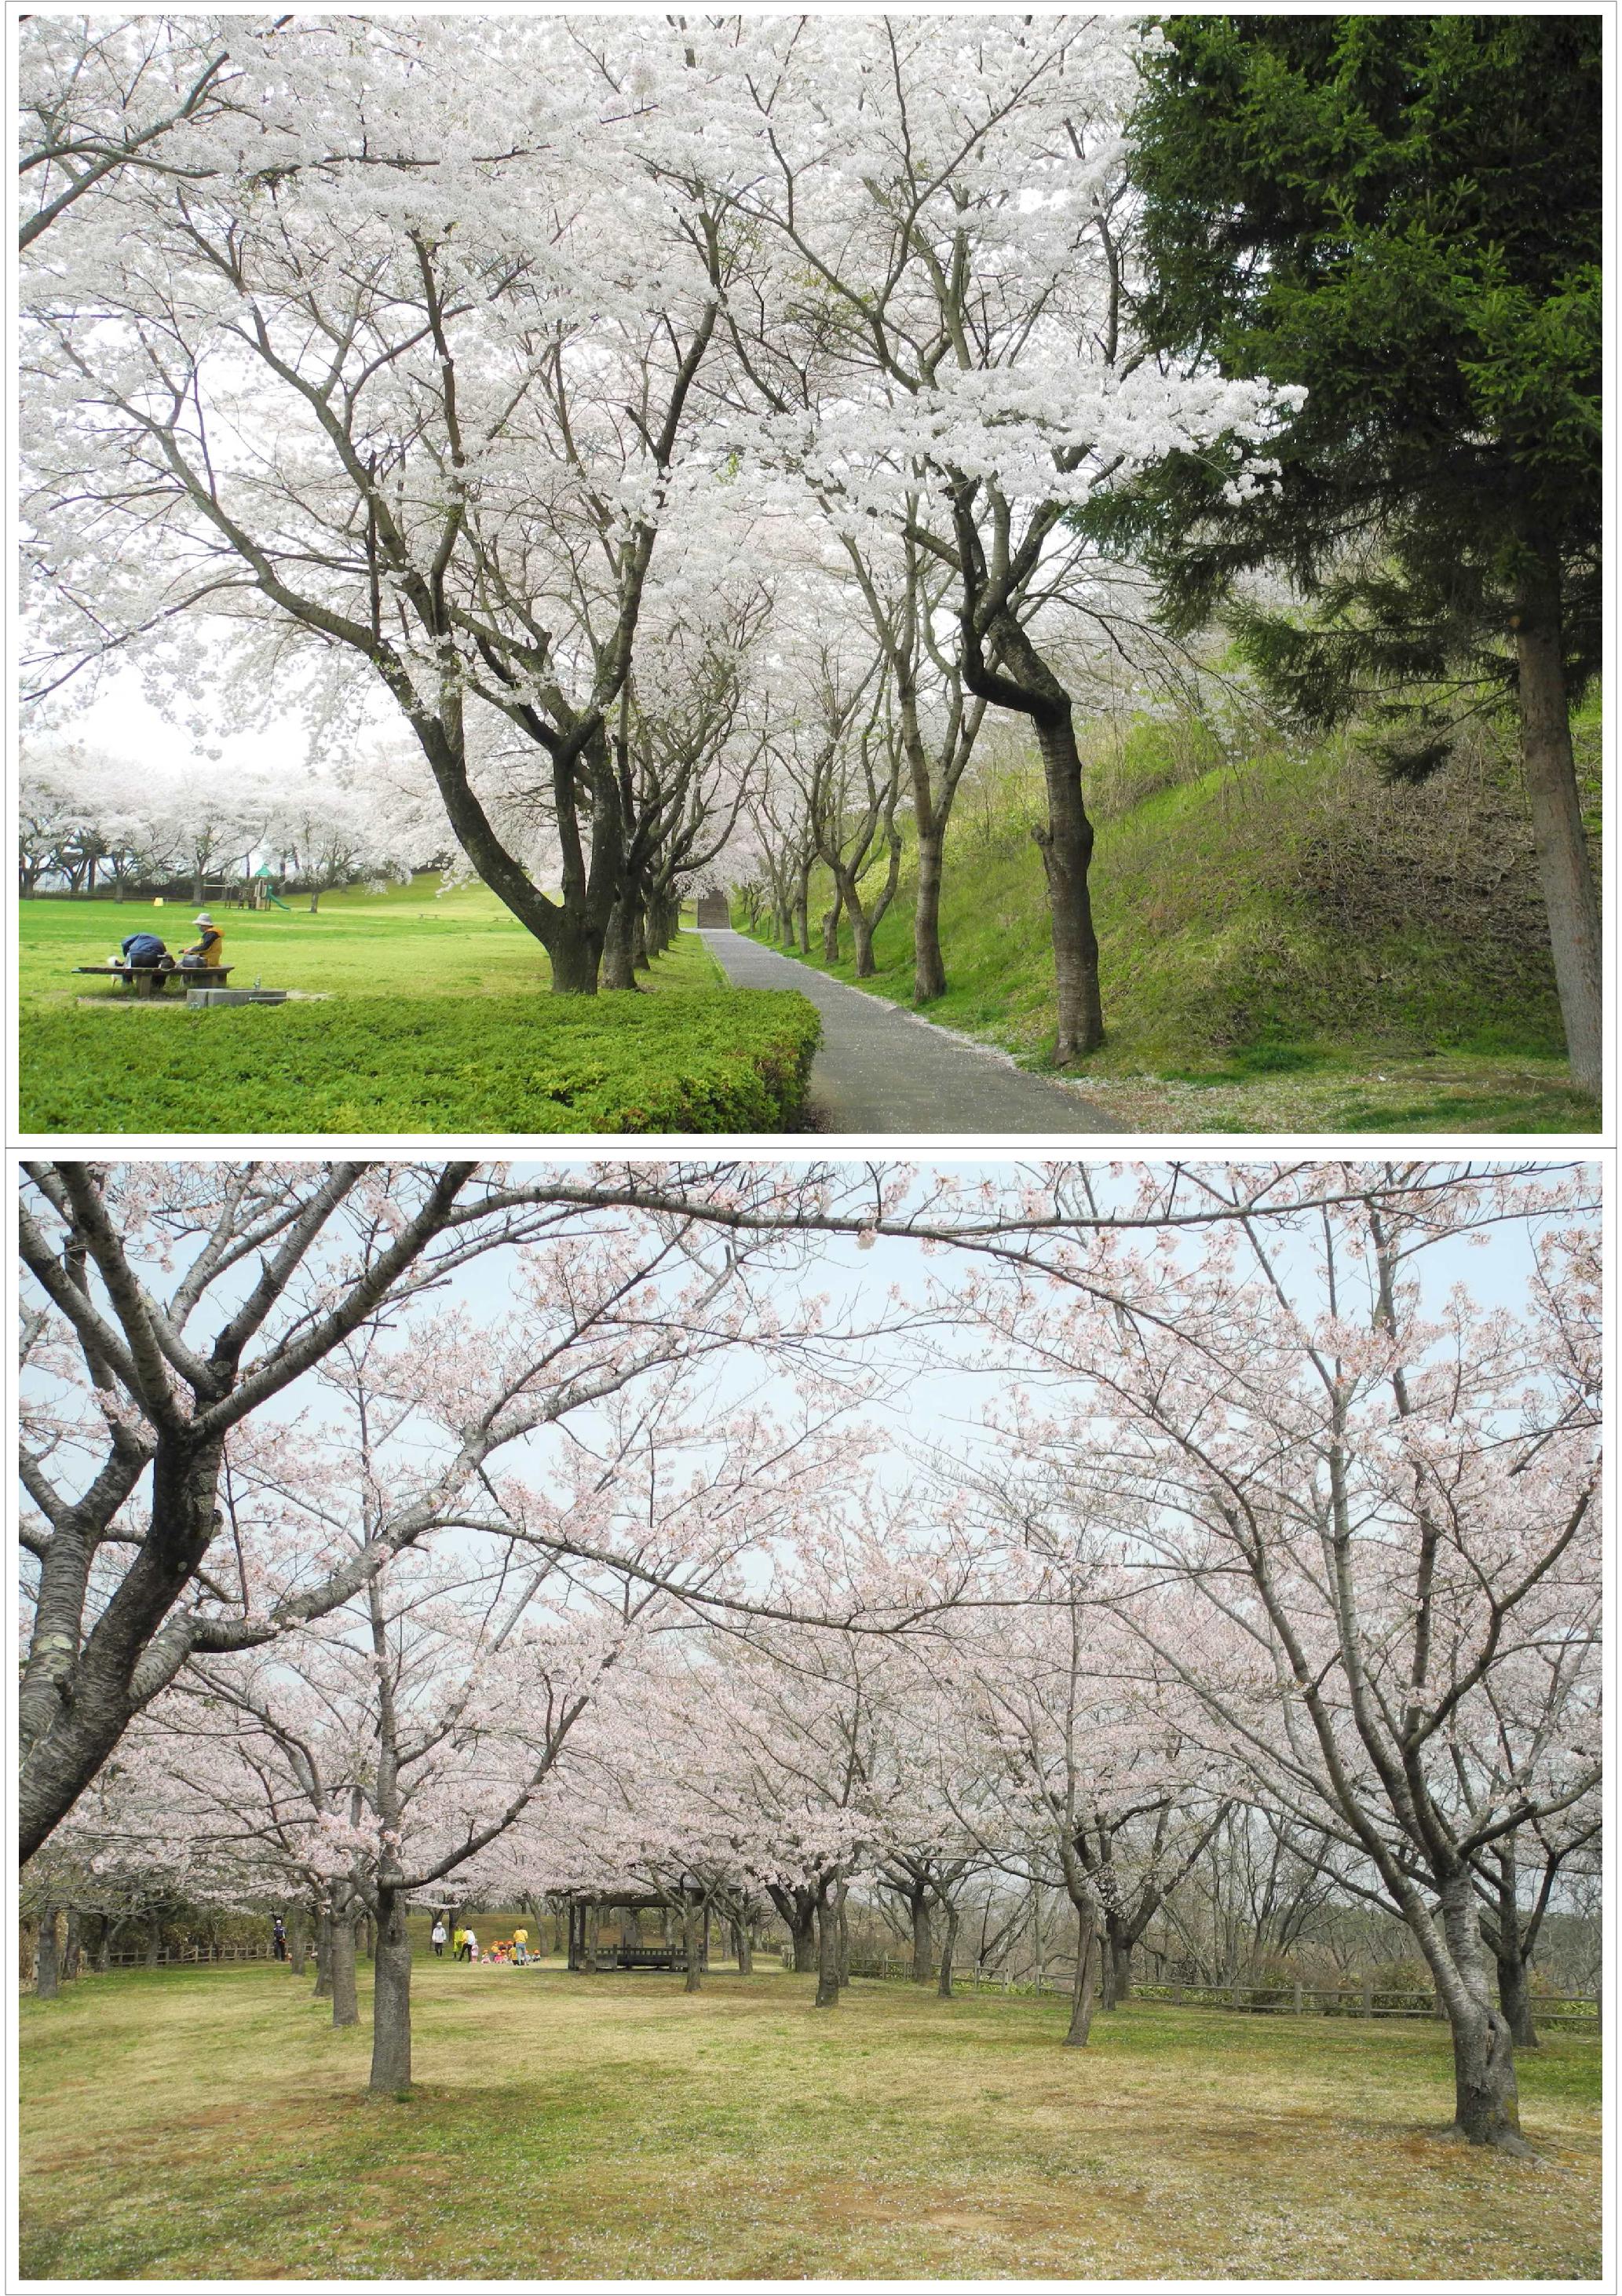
(1297, 1996)
(1176, 1993)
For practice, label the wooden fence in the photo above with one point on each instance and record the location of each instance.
(1574, 2010)
(188, 1954)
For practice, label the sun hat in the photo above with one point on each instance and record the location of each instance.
(202, 918)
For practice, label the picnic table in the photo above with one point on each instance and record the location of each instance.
(152, 980)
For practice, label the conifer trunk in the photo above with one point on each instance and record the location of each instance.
(1571, 898)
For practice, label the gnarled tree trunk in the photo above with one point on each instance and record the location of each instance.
(1486, 2099)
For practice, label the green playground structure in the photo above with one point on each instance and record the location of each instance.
(276, 901)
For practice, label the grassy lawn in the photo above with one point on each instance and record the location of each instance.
(210, 2124)
(410, 1013)
(1282, 947)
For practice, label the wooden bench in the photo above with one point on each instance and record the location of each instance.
(152, 980)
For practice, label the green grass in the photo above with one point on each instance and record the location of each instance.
(411, 1015)
(211, 2124)
(1285, 947)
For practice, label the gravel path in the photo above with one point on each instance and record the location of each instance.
(880, 1069)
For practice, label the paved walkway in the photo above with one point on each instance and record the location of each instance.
(881, 1069)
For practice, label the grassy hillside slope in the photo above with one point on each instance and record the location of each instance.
(1287, 944)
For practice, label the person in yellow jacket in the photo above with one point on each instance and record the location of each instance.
(520, 1945)
(210, 949)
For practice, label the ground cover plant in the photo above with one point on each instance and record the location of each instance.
(1294, 945)
(577, 2127)
(429, 1019)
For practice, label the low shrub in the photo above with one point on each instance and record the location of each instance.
(721, 1061)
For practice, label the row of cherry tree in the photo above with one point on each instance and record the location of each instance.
(88, 820)
(393, 1530)
(677, 424)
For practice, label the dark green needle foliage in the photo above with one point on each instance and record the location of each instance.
(1402, 214)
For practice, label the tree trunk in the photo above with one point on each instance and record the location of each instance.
(391, 1999)
(1570, 900)
(298, 1941)
(929, 965)
(831, 929)
(641, 937)
(1486, 2102)
(576, 958)
(316, 901)
(346, 2008)
(1119, 1980)
(1066, 843)
(104, 1946)
(862, 933)
(323, 1956)
(368, 1937)
(694, 1980)
(741, 1952)
(72, 1944)
(154, 1939)
(619, 945)
(827, 1957)
(47, 1969)
(1515, 2000)
(948, 1946)
(924, 1948)
(844, 1936)
(1081, 1991)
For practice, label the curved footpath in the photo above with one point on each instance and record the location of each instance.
(880, 1069)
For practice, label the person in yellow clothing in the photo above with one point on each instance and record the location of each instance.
(210, 947)
(520, 1945)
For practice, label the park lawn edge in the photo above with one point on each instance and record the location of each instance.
(705, 1061)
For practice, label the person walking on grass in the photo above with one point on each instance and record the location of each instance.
(521, 1945)
(435, 1937)
(278, 1937)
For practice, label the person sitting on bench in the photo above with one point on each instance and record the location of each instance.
(143, 952)
(209, 950)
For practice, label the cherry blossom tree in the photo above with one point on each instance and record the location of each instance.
(1384, 1505)
(174, 1313)
(950, 350)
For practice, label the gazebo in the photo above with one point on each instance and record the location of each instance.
(587, 1949)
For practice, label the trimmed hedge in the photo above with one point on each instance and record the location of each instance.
(721, 1061)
